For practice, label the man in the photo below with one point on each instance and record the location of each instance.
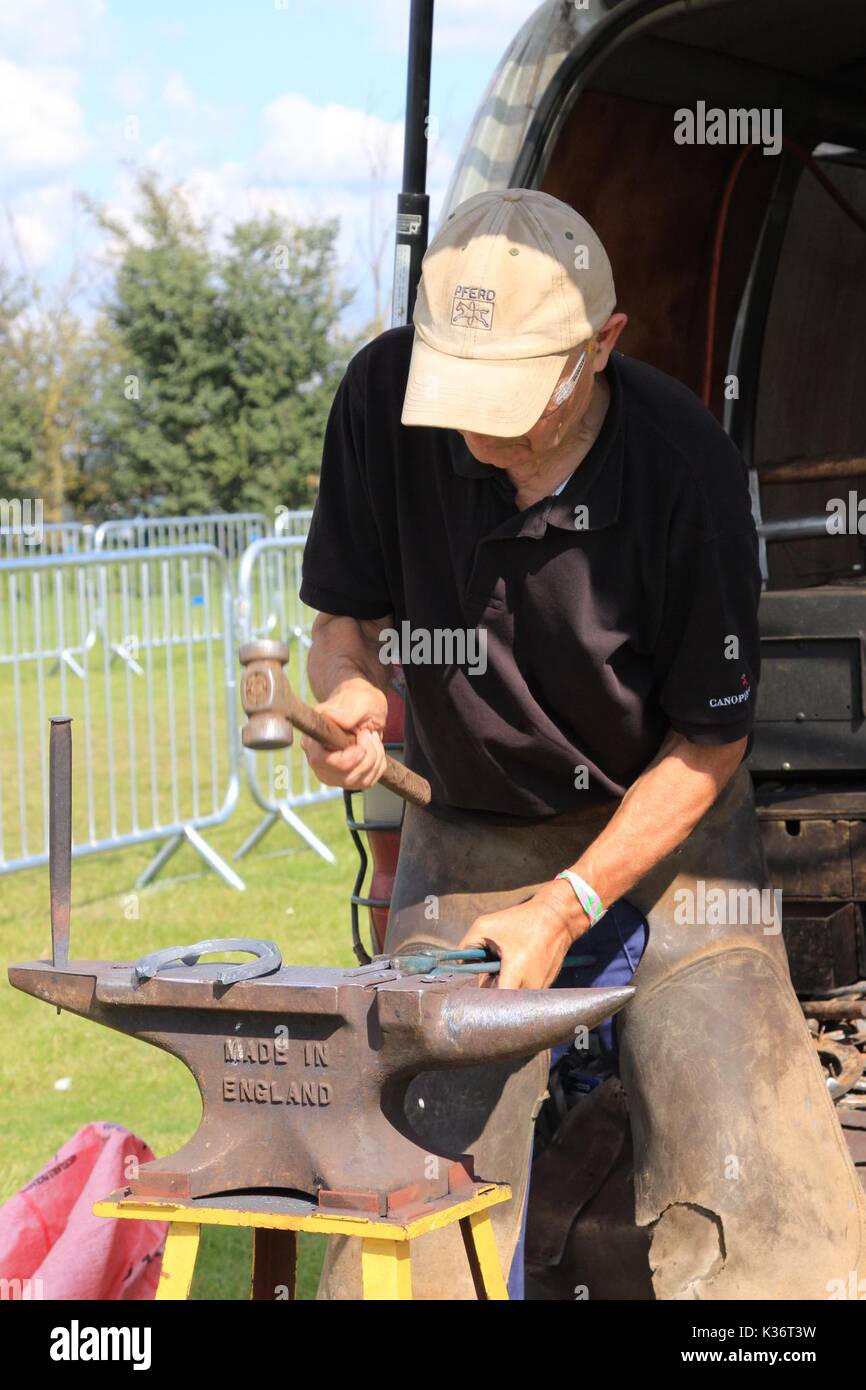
(504, 484)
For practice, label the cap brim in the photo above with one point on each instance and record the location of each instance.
(480, 395)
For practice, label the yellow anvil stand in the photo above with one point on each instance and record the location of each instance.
(386, 1242)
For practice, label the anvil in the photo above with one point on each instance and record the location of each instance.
(303, 1072)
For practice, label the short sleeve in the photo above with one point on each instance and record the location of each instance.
(707, 656)
(343, 567)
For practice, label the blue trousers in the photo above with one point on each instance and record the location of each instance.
(613, 948)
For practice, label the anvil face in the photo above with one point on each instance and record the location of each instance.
(303, 1072)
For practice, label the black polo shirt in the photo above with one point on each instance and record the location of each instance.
(622, 607)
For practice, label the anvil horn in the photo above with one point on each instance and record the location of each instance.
(466, 1026)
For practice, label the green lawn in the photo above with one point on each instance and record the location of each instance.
(291, 896)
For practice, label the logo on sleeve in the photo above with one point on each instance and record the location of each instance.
(718, 701)
(472, 307)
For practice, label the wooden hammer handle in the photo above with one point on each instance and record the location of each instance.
(397, 777)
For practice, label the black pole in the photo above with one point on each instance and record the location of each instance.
(413, 205)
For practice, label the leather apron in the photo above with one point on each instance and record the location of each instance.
(741, 1171)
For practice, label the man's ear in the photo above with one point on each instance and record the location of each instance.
(605, 340)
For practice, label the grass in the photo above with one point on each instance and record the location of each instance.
(291, 896)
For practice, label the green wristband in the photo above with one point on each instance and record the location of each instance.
(586, 896)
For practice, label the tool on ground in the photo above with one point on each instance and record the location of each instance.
(845, 1065)
(305, 1073)
(273, 710)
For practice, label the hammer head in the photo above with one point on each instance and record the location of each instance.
(264, 695)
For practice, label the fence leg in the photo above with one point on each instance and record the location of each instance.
(118, 651)
(159, 860)
(70, 661)
(254, 836)
(210, 856)
(207, 852)
(295, 823)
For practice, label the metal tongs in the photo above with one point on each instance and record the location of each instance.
(434, 961)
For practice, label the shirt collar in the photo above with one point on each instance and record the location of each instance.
(595, 485)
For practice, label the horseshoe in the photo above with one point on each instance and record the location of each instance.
(267, 953)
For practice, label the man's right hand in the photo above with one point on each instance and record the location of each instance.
(361, 709)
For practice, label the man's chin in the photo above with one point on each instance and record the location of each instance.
(495, 451)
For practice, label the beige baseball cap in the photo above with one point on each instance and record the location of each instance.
(511, 284)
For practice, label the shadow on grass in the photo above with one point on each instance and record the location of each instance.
(225, 1260)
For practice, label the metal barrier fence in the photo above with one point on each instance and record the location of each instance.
(229, 532)
(268, 602)
(157, 735)
(25, 542)
(30, 537)
(293, 523)
(158, 729)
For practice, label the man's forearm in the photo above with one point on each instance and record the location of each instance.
(345, 649)
(656, 814)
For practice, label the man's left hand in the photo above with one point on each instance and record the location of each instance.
(532, 938)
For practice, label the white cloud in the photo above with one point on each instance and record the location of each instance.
(130, 85)
(333, 145)
(173, 156)
(176, 93)
(325, 144)
(50, 32)
(476, 26)
(459, 26)
(39, 224)
(41, 121)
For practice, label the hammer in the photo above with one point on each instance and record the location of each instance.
(273, 710)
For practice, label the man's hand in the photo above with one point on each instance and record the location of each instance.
(359, 708)
(532, 938)
(656, 814)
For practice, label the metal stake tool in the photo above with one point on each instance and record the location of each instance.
(60, 835)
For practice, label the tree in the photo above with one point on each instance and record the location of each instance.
(217, 366)
(20, 405)
(44, 383)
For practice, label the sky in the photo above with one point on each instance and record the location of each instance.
(248, 104)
